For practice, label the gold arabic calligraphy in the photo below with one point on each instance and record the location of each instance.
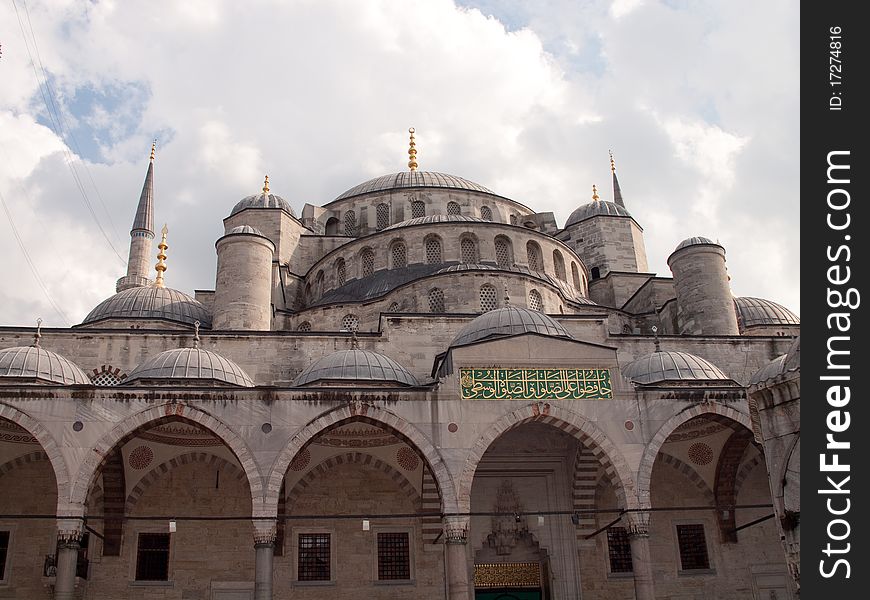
(535, 384)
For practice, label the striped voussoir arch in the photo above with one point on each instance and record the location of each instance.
(689, 471)
(745, 470)
(24, 459)
(584, 490)
(430, 504)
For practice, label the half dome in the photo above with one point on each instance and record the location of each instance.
(151, 302)
(509, 320)
(758, 311)
(672, 366)
(33, 362)
(413, 179)
(356, 365)
(189, 364)
(594, 209)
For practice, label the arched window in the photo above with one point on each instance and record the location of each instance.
(514, 219)
(559, 265)
(468, 250)
(486, 213)
(350, 223)
(418, 209)
(383, 216)
(304, 326)
(436, 300)
(453, 208)
(340, 272)
(433, 250)
(596, 272)
(533, 251)
(107, 377)
(367, 262)
(400, 255)
(332, 226)
(504, 255)
(350, 323)
(394, 307)
(318, 284)
(309, 296)
(488, 298)
(535, 301)
(575, 276)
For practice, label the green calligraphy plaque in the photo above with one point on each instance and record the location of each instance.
(535, 384)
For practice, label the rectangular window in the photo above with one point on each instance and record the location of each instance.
(4, 552)
(619, 550)
(314, 557)
(152, 557)
(394, 556)
(693, 547)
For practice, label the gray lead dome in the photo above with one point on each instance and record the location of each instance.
(151, 302)
(758, 311)
(510, 320)
(262, 200)
(32, 362)
(695, 241)
(594, 209)
(191, 364)
(356, 365)
(413, 179)
(671, 366)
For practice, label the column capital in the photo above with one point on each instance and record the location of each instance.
(638, 523)
(70, 531)
(456, 529)
(265, 532)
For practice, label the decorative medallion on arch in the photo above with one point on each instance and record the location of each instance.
(535, 384)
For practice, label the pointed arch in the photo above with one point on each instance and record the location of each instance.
(155, 415)
(373, 415)
(615, 465)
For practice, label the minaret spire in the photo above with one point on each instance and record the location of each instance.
(412, 152)
(160, 267)
(617, 193)
(141, 234)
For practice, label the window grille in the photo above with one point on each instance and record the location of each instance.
(350, 323)
(418, 209)
(394, 307)
(394, 556)
(436, 300)
(468, 249)
(503, 253)
(383, 216)
(433, 251)
(514, 219)
(534, 254)
(340, 272)
(106, 379)
(400, 255)
(152, 557)
(488, 298)
(304, 326)
(486, 213)
(314, 557)
(350, 223)
(559, 265)
(575, 275)
(453, 208)
(367, 258)
(619, 550)
(535, 301)
(693, 547)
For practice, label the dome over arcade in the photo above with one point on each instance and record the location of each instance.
(33, 362)
(509, 320)
(188, 364)
(672, 366)
(356, 365)
(595, 209)
(411, 180)
(758, 311)
(151, 302)
(265, 199)
(768, 371)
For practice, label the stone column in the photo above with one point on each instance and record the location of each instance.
(265, 533)
(456, 560)
(69, 539)
(638, 535)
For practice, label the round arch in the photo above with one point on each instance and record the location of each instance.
(49, 446)
(89, 469)
(647, 461)
(615, 465)
(375, 416)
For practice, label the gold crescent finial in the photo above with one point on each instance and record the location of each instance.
(196, 325)
(38, 333)
(595, 193)
(153, 149)
(266, 185)
(612, 164)
(160, 267)
(412, 151)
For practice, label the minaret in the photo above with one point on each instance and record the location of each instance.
(617, 193)
(141, 235)
(412, 151)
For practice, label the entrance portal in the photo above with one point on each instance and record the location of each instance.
(508, 581)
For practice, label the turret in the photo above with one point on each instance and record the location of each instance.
(705, 305)
(243, 289)
(141, 235)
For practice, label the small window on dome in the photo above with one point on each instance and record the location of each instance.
(486, 213)
(503, 252)
(535, 301)
(400, 255)
(418, 209)
(514, 219)
(559, 265)
(468, 249)
(350, 223)
(340, 272)
(575, 275)
(533, 250)
(304, 326)
(488, 298)
(367, 262)
(453, 208)
(107, 377)
(383, 216)
(436, 300)
(350, 323)
(433, 250)
(394, 307)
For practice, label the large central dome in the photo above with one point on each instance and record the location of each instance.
(413, 179)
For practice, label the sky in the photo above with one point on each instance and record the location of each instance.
(698, 100)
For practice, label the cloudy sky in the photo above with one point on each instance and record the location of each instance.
(697, 99)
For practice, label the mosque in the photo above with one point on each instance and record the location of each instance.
(419, 389)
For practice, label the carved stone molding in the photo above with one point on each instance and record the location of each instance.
(265, 532)
(456, 529)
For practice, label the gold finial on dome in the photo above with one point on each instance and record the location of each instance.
(595, 193)
(153, 150)
(412, 151)
(196, 325)
(38, 333)
(612, 164)
(161, 258)
(266, 185)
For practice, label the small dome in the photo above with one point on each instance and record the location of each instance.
(151, 302)
(190, 364)
(263, 200)
(768, 371)
(245, 229)
(356, 365)
(413, 179)
(757, 311)
(695, 241)
(437, 219)
(671, 366)
(32, 362)
(510, 320)
(594, 209)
